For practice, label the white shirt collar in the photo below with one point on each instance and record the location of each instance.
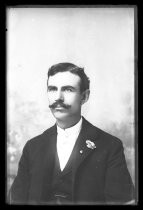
(65, 142)
(70, 131)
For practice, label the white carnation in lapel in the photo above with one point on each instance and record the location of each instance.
(90, 144)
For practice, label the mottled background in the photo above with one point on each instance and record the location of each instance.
(99, 39)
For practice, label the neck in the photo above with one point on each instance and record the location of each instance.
(67, 123)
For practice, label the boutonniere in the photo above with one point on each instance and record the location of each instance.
(90, 144)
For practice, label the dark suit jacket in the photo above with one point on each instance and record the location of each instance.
(100, 175)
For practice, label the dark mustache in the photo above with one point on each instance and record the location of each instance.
(54, 105)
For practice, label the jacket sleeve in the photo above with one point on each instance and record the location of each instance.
(19, 190)
(118, 185)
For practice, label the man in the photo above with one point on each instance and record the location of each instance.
(72, 162)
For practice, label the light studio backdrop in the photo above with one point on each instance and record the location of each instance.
(99, 39)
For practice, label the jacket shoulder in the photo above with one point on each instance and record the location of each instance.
(108, 137)
(41, 138)
(102, 135)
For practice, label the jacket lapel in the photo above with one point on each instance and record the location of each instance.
(81, 151)
(48, 161)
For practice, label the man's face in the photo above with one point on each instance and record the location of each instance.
(64, 95)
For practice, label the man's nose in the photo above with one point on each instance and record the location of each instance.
(59, 96)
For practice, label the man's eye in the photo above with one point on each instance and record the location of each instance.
(51, 89)
(68, 90)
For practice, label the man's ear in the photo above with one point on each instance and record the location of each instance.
(85, 96)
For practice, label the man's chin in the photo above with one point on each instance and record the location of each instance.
(59, 114)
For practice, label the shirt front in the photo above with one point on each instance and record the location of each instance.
(66, 139)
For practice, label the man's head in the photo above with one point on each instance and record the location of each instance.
(69, 67)
(68, 89)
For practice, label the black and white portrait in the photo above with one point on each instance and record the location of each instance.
(71, 75)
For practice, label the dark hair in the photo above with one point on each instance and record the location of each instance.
(63, 67)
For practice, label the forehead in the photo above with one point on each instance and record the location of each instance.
(64, 79)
